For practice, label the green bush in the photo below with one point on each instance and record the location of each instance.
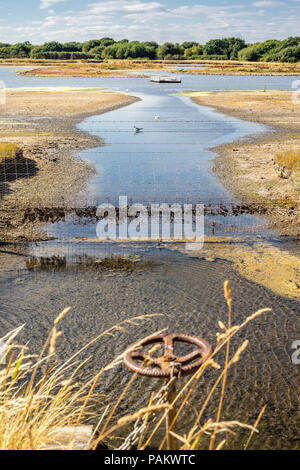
(107, 48)
(272, 51)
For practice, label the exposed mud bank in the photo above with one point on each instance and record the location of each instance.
(248, 167)
(48, 173)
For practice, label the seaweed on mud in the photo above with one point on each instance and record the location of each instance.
(87, 263)
(88, 214)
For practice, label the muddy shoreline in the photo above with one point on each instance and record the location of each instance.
(49, 171)
(247, 167)
(124, 68)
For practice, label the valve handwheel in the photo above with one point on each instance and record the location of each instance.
(169, 364)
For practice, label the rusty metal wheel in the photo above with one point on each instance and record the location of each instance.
(169, 364)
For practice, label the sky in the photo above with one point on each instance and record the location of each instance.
(39, 21)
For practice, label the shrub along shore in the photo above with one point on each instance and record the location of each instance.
(232, 48)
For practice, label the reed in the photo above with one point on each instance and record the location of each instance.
(40, 395)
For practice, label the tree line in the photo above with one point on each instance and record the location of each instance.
(287, 50)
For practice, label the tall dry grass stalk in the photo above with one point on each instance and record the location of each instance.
(228, 297)
(39, 396)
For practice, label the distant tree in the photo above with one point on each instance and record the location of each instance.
(151, 48)
(194, 52)
(96, 52)
(137, 50)
(21, 49)
(36, 52)
(109, 52)
(72, 46)
(107, 41)
(249, 54)
(103, 43)
(5, 52)
(122, 50)
(288, 54)
(232, 48)
(86, 46)
(188, 44)
(52, 46)
(168, 50)
(260, 51)
(151, 44)
(130, 50)
(291, 41)
(234, 45)
(215, 47)
(268, 46)
(227, 47)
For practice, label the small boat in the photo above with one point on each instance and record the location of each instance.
(165, 79)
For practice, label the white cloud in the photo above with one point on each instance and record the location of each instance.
(121, 6)
(157, 20)
(49, 3)
(267, 3)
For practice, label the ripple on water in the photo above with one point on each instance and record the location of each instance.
(189, 294)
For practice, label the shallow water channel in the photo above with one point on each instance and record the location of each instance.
(169, 161)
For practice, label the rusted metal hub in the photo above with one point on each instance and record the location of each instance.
(169, 364)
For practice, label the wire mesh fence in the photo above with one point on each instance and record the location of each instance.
(169, 165)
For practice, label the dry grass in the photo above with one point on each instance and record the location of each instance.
(119, 67)
(38, 396)
(8, 151)
(231, 67)
(110, 68)
(289, 159)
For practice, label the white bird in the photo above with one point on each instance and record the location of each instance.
(157, 117)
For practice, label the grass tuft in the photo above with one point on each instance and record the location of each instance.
(289, 159)
(8, 151)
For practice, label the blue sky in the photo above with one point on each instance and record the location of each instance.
(162, 20)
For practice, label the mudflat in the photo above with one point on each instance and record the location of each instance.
(61, 102)
(122, 68)
(47, 172)
(249, 167)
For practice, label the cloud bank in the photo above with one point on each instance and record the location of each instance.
(157, 20)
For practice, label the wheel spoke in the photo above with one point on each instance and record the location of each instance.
(169, 348)
(189, 357)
